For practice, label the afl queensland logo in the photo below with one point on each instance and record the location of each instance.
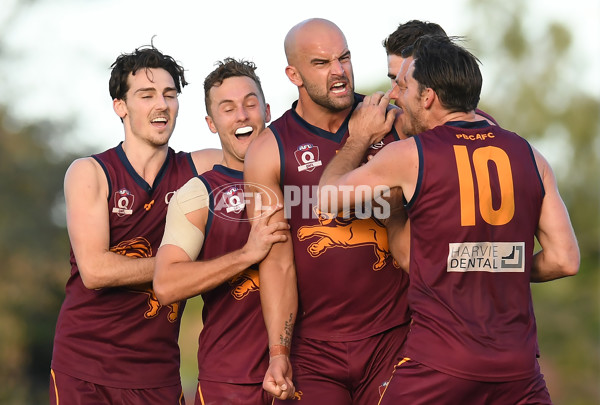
(229, 201)
(233, 199)
(123, 200)
(307, 156)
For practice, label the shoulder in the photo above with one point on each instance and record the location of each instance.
(264, 144)
(193, 188)
(262, 158)
(542, 164)
(192, 195)
(86, 167)
(86, 174)
(398, 155)
(483, 115)
(205, 159)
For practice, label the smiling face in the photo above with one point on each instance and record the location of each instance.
(320, 65)
(238, 115)
(149, 109)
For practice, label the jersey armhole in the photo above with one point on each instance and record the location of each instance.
(281, 156)
(537, 170)
(191, 163)
(411, 203)
(105, 170)
(211, 207)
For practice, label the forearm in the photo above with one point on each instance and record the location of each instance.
(332, 194)
(113, 270)
(178, 280)
(279, 300)
(347, 159)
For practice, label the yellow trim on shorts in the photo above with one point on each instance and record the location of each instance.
(54, 382)
(200, 394)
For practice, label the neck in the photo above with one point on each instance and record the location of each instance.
(321, 117)
(459, 116)
(146, 159)
(233, 162)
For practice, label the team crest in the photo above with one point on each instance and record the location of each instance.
(123, 202)
(232, 199)
(307, 156)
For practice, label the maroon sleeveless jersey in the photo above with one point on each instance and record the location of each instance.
(233, 342)
(473, 218)
(349, 286)
(121, 337)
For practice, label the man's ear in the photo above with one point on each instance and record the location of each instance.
(293, 75)
(120, 107)
(428, 97)
(267, 113)
(211, 124)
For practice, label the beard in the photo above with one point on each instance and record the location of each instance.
(323, 98)
(412, 123)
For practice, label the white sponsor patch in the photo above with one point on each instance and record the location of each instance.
(493, 257)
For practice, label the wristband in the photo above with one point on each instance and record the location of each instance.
(276, 350)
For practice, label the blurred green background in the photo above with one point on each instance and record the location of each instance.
(531, 86)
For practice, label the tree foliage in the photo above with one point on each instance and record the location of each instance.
(34, 248)
(530, 88)
(535, 90)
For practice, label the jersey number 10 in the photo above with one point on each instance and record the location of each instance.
(480, 161)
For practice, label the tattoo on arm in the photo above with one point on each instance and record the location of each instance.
(286, 339)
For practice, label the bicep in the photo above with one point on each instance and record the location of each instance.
(261, 175)
(554, 226)
(86, 193)
(187, 215)
(372, 179)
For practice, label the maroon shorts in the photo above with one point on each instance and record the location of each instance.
(414, 383)
(213, 392)
(65, 389)
(344, 373)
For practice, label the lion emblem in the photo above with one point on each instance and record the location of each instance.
(247, 281)
(334, 231)
(140, 247)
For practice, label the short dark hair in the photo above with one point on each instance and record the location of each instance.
(449, 69)
(406, 34)
(225, 69)
(144, 57)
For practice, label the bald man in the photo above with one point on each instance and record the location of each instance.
(333, 298)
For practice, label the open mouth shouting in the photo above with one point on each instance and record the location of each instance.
(159, 122)
(338, 87)
(243, 132)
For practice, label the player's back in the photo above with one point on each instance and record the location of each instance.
(473, 218)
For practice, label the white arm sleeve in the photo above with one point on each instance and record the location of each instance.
(179, 231)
